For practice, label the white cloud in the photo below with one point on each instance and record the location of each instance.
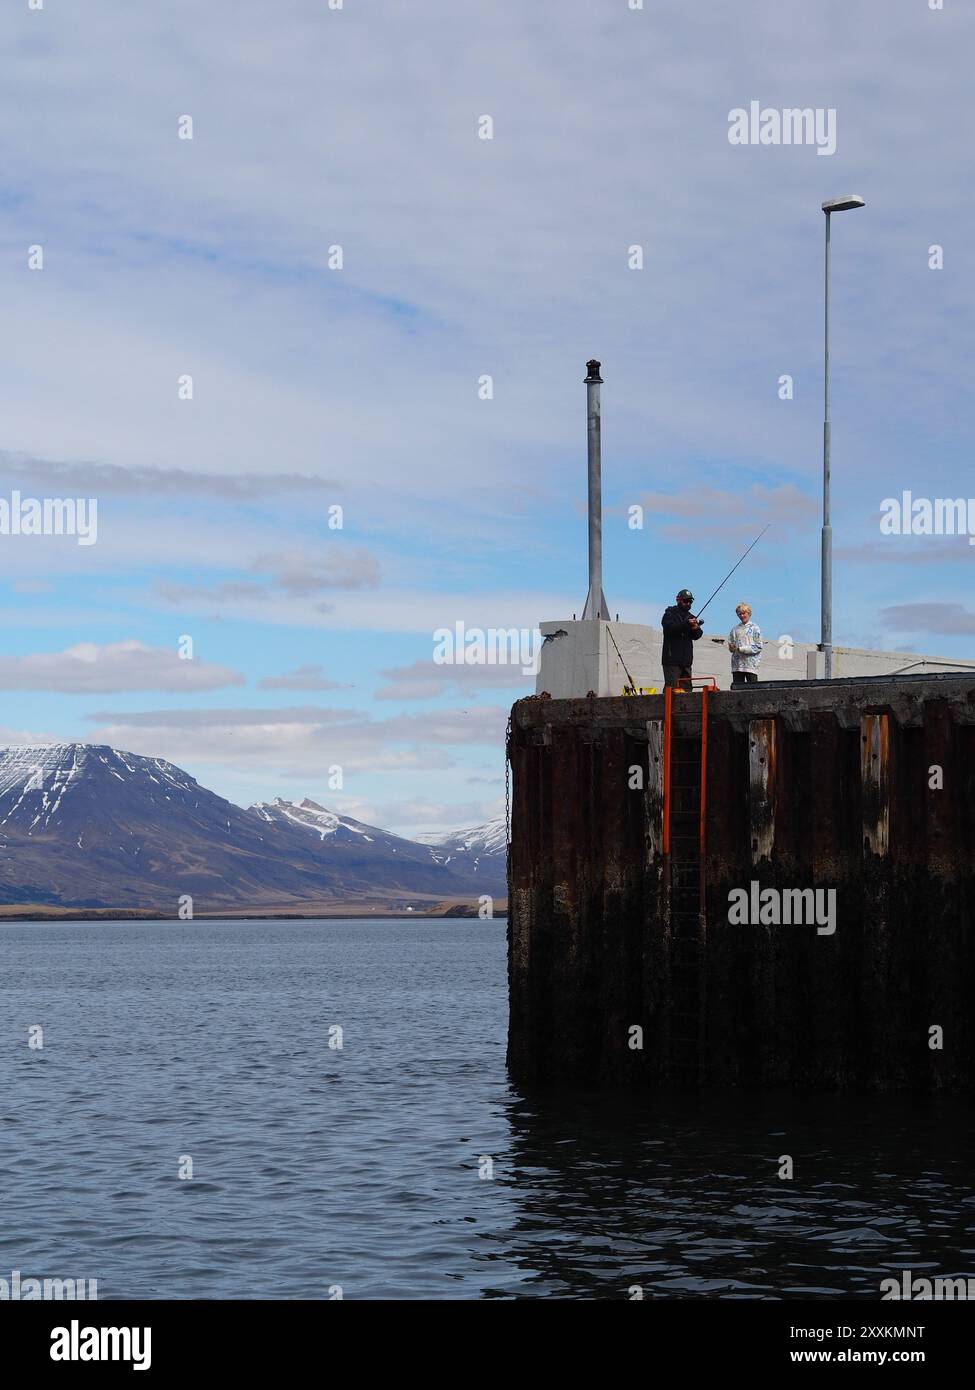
(422, 680)
(32, 586)
(300, 742)
(131, 665)
(11, 736)
(308, 677)
(929, 618)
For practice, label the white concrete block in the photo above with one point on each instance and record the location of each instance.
(584, 658)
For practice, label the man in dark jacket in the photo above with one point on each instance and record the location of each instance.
(681, 631)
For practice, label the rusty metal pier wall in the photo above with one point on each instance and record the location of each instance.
(863, 787)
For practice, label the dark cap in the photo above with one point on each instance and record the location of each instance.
(686, 593)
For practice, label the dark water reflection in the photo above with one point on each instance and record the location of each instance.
(361, 1167)
(681, 1195)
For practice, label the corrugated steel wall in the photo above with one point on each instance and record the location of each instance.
(825, 786)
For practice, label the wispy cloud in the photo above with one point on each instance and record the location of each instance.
(32, 586)
(423, 680)
(338, 567)
(705, 512)
(924, 618)
(309, 677)
(301, 743)
(292, 573)
(90, 478)
(907, 552)
(87, 668)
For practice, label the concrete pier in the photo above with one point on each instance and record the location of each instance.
(641, 837)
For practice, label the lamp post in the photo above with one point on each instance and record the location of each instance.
(826, 610)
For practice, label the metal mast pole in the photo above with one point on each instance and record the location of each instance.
(827, 557)
(596, 605)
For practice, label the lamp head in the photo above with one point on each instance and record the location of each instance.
(852, 200)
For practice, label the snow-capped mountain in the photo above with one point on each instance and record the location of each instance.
(322, 822)
(38, 785)
(407, 860)
(84, 825)
(483, 848)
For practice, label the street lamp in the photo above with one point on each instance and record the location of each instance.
(832, 205)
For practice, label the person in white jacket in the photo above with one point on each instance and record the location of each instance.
(745, 644)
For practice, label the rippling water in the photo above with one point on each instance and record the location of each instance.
(315, 1167)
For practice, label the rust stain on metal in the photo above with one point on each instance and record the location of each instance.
(875, 782)
(668, 730)
(761, 787)
(654, 798)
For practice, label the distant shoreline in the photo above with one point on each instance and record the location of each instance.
(455, 911)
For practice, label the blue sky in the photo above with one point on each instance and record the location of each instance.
(461, 257)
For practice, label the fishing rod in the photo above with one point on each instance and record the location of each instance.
(622, 662)
(734, 567)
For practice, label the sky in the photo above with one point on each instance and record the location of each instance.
(221, 619)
